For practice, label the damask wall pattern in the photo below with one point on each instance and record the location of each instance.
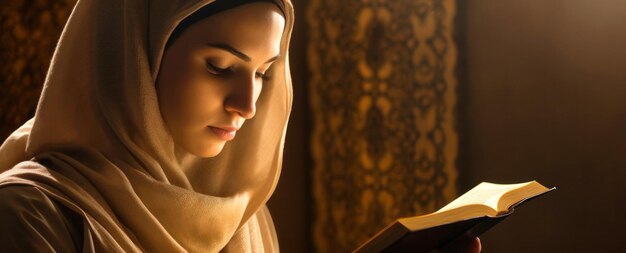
(383, 96)
(29, 31)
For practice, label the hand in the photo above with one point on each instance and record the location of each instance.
(464, 244)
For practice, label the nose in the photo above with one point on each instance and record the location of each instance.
(242, 98)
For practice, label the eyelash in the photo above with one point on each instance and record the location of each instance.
(223, 71)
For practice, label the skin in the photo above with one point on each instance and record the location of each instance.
(212, 75)
(463, 244)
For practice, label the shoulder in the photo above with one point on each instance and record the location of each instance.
(19, 193)
(23, 200)
(30, 221)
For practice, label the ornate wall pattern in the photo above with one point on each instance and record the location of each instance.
(382, 94)
(29, 31)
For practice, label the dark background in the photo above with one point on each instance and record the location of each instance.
(543, 89)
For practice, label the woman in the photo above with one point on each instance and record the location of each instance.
(118, 153)
(139, 143)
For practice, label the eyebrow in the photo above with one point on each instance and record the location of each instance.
(237, 53)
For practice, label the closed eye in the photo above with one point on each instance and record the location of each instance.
(223, 71)
(217, 70)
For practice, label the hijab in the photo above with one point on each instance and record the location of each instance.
(99, 146)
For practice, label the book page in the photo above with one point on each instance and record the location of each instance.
(487, 194)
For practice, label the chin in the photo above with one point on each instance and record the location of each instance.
(208, 151)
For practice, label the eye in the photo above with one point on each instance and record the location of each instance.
(217, 70)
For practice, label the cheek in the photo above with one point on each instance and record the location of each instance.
(193, 102)
(186, 97)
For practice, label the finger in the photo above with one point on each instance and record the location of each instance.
(463, 244)
(475, 246)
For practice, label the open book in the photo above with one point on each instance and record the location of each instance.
(474, 212)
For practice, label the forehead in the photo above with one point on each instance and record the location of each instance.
(251, 25)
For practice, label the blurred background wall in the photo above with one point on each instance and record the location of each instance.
(543, 89)
(29, 31)
(541, 94)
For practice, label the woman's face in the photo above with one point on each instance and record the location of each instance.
(212, 75)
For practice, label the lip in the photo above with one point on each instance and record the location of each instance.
(226, 133)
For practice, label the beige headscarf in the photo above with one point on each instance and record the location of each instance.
(100, 147)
